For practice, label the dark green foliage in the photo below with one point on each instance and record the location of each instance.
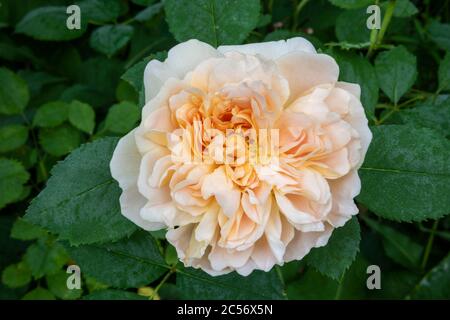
(66, 96)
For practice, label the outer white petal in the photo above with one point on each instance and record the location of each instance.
(272, 49)
(305, 70)
(353, 88)
(303, 242)
(222, 258)
(125, 169)
(181, 59)
(343, 191)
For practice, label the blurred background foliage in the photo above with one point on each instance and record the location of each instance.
(60, 88)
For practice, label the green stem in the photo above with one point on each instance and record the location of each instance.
(270, 6)
(299, 8)
(141, 54)
(375, 44)
(166, 277)
(429, 244)
(41, 164)
(339, 289)
(407, 102)
(386, 116)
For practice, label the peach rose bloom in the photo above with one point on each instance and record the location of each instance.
(223, 214)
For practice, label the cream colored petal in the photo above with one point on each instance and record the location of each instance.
(352, 88)
(208, 224)
(337, 164)
(124, 168)
(305, 70)
(247, 268)
(156, 73)
(289, 206)
(217, 184)
(162, 170)
(147, 164)
(125, 162)
(158, 124)
(344, 190)
(313, 103)
(307, 205)
(221, 258)
(180, 238)
(263, 256)
(272, 49)
(273, 234)
(156, 213)
(303, 242)
(351, 110)
(131, 203)
(358, 120)
(170, 87)
(182, 58)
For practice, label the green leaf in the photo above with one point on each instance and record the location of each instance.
(12, 178)
(37, 80)
(396, 284)
(51, 114)
(196, 284)
(135, 75)
(86, 94)
(50, 24)
(129, 263)
(216, 22)
(39, 294)
(59, 141)
(16, 275)
(45, 258)
(100, 11)
(404, 9)
(434, 285)
(12, 137)
(82, 116)
(11, 250)
(398, 246)
(101, 74)
(356, 69)
(406, 174)
(349, 21)
(110, 39)
(112, 294)
(57, 284)
(444, 73)
(148, 12)
(122, 117)
(81, 200)
(333, 259)
(433, 116)
(170, 256)
(14, 94)
(312, 285)
(440, 34)
(23, 230)
(351, 4)
(126, 92)
(396, 72)
(143, 2)
(13, 52)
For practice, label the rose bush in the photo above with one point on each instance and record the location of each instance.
(243, 215)
(143, 158)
